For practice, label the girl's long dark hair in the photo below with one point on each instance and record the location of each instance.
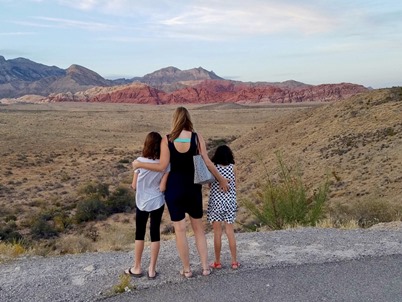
(223, 156)
(152, 146)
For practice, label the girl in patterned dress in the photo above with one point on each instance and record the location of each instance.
(222, 206)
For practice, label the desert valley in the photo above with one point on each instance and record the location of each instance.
(60, 147)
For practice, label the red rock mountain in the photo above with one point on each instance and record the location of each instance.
(214, 91)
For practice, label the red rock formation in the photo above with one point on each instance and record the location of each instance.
(215, 91)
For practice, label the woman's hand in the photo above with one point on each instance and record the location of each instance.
(224, 184)
(135, 164)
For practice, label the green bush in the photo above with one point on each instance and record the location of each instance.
(97, 205)
(121, 200)
(89, 209)
(286, 201)
(8, 232)
(95, 188)
(42, 229)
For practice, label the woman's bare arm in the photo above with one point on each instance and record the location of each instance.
(223, 182)
(163, 161)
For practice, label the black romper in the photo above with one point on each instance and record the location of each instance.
(182, 195)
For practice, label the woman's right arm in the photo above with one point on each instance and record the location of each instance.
(223, 182)
(163, 161)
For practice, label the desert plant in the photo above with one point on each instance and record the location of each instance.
(121, 200)
(123, 285)
(11, 250)
(95, 188)
(42, 229)
(367, 211)
(287, 201)
(8, 232)
(91, 208)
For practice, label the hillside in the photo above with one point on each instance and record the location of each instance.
(356, 142)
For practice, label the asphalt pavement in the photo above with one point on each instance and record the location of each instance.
(306, 264)
(366, 279)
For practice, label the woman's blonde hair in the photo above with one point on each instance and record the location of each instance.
(181, 121)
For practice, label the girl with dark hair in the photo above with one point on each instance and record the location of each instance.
(222, 206)
(150, 202)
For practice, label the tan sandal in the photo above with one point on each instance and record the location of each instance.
(186, 274)
(206, 272)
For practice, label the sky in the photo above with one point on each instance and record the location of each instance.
(310, 41)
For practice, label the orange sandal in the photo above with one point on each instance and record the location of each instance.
(235, 265)
(216, 265)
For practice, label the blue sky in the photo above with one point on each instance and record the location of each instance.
(310, 41)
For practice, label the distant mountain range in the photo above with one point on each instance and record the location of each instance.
(26, 80)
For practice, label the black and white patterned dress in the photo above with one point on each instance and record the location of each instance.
(222, 206)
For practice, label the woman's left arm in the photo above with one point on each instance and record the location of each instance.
(223, 182)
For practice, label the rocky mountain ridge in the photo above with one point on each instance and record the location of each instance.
(27, 81)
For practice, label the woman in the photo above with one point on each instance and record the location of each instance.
(182, 195)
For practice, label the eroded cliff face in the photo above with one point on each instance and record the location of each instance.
(213, 91)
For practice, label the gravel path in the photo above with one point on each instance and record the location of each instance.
(91, 276)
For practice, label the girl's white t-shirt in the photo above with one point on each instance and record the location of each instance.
(148, 196)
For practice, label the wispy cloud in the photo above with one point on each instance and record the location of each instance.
(216, 17)
(17, 33)
(48, 22)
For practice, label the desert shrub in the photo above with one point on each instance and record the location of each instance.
(62, 222)
(367, 212)
(42, 228)
(8, 232)
(10, 217)
(214, 143)
(121, 200)
(74, 244)
(287, 201)
(96, 205)
(11, 250)
(64, 176)
(95, 188)
(91, 208)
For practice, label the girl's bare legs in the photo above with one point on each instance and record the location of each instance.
(182, 246)
(217, 226)
(229, 229)
(138, 249)
(201, 243)
(154, 258)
